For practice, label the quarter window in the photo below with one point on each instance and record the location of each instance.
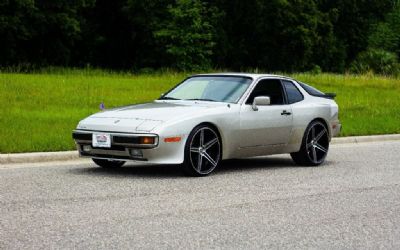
(293, 94)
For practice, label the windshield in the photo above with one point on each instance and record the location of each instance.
(210, 88)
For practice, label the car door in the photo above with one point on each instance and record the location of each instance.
(270, 125)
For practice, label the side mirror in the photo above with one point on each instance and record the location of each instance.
(260, 101)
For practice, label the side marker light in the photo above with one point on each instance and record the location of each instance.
(172, 139)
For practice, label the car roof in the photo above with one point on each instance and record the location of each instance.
(251, 75)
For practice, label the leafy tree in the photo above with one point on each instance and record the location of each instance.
(188, 34)
(144, 18)
(15, 30)
(381, 56)
(386, 34)
(352, 22)
(40, 32)
(106, 37)
(275, 35)
(376, 61)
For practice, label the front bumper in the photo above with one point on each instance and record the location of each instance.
(125, 147)
(121, 145)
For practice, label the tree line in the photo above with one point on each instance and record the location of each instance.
(272, 35)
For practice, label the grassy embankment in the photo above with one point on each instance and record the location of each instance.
(39, 111)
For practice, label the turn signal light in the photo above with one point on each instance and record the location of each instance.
(147, 140)
(173, 139)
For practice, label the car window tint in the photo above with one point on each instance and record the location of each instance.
(293, 94)
(269, 87)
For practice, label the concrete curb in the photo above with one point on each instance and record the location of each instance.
(73, 155)
(370, 138)
(38, 157)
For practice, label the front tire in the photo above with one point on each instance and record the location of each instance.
(314, 146)
(108, 163)
(202, 151)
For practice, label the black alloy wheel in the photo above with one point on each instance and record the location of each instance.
(202, 151)
(314, 146)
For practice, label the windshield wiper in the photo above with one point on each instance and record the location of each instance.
(168, 98)
(201, 99)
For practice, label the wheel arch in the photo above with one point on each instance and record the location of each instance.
(323, 121)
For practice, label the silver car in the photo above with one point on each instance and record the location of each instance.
(212, 117)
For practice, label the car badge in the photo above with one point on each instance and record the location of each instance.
(116, 121)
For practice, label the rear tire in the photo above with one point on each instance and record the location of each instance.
(202, 151)
(108, 163)
(314, 146)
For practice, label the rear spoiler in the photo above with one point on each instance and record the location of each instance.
(330, 95)
(327, 95)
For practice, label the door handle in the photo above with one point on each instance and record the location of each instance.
(286, 113)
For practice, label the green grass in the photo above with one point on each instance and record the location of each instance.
(39, 111)
(368, 105)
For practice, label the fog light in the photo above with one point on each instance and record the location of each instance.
(86, 148)
(147, 140)
(137, 153)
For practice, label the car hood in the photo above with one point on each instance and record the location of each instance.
(143, 117)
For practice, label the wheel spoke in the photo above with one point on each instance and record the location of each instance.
(309, 145)
(208, 157)
(318, 146)
(320, 135)
(202, 138)
(314, 152)
(195, 150)
(199, 162)
(210, 143)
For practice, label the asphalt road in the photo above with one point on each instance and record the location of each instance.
(352, 202)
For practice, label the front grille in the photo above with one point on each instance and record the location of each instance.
(126, 139)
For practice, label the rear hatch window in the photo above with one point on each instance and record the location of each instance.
(315, 92)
